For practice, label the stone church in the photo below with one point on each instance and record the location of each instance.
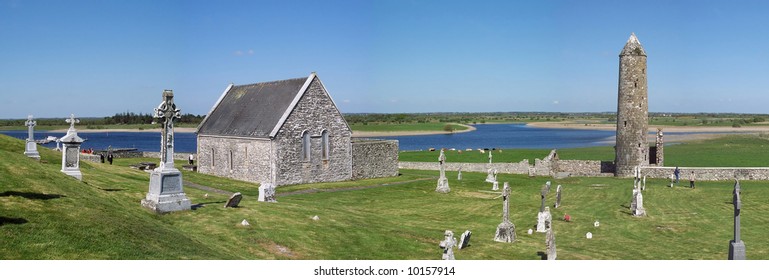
(287, 132)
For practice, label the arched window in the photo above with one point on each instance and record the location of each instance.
(324, 145)
(306, 146)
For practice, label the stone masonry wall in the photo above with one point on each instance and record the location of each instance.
(631, 148)
(238, 158)
(521, 167)
(580, 167)
(314, 113)
(709, 173)
(374, 158)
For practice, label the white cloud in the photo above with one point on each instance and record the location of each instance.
(238, 53)
(555, 102)
(250, 52)
(346, 101)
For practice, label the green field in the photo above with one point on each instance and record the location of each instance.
(727, 151)
(45, 214)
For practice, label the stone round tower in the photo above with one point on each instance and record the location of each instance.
(631, 149)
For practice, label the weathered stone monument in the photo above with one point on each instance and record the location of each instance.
(448, 245)
(443, 182)
(267, 192)
(547, 186)
(550, 244)
(70, 152)
(558, 197)
(736, 246)
(631, 147)
(464, 241)
(541, 216)
(636, 205)
(505, 230)
(234, 200)
(490, 178)
(459, 174)
(495, 186)
(30, 149)
(166, 193)
(660, 144)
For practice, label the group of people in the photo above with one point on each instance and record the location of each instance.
(677, 174)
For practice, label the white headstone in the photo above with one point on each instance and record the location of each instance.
(530, 231)
(589, 235)
(443, 182)
(495, 186)
(596, 224)
(244, 223)
(166, 191)
(315, 218)
(266, 192)
(30, 149)
(448, 245)
(70, 153)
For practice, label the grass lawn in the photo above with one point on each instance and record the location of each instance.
(45, 214)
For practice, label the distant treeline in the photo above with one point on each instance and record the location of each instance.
(465, 118)
(119, 118)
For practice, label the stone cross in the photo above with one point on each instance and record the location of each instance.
(490, 157)
(166, 193)
(443, 182)
(736, 246)
(448, 245)
(505, 230)
(167, 113)
(31, 124)
(72, 121)
(31, 148)
(459, 174)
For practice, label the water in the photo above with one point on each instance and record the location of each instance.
(144, 141)
(506, 136)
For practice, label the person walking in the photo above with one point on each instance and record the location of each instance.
(191, 159)
(109, 158)
(677, 172)
(691, 180)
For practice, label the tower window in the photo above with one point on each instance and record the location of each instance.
(213, 157)
(625, 123)
(231, 163)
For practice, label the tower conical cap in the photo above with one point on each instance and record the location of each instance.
(633, 47)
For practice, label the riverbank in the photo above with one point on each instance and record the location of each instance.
(176, 129)
(356, 133)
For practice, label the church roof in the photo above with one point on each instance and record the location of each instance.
(255, 110)
(633, 47)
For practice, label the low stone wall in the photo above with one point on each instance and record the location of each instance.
(91, 158)
(177, 156)
(579, 167)
(374, 158)
(709, 173)
(521, 167)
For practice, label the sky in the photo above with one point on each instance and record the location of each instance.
(98, 58)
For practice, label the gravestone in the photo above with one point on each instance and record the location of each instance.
(596, 224)
(589, 235)
(490, 156)
(266, 192)
(30, 149)
(505, 230)
(530, 231)
(548, 219)
(495, 186)
(443, 182)
(244, 223)
(166, 193)
(464, 241)
(547, 187)
(558, 197)
(550, 243)
(234, 200)
(541, 216)
(643, 183)
(70, 152)
(459, 174)
(315, 218)
(638, 208)
(448, 245)
(672, 180)
(490, 176)
(736, 246)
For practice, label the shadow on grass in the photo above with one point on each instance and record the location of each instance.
(15, 221)
(542, 255)
(112, 190)
(29, 195)
(196, 206)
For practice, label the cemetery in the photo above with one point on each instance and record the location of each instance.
(55, 206)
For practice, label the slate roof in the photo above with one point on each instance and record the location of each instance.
(252, 110)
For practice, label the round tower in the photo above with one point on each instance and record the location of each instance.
(631, 149)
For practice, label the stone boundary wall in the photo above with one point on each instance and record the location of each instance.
(177, 156)
(374, 158)
(134, 154)
(579, 167)
(709, 173)
(521, 167)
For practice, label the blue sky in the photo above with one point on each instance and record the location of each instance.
(97, 58)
